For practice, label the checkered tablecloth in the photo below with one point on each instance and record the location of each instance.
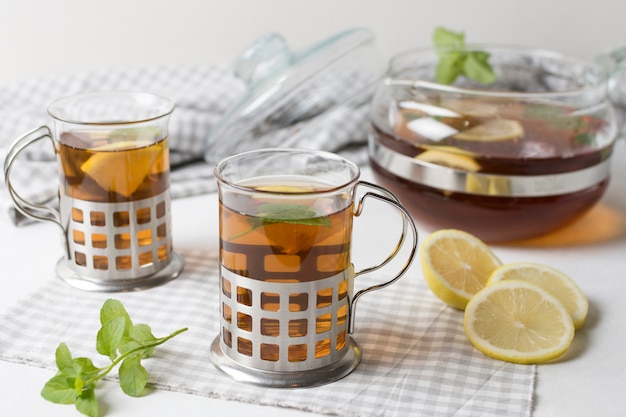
(203, 96)
(416, 358)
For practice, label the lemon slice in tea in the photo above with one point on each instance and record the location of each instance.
(520, 322)
(456, 265)
(550, 279)
(287, 189)
(121, 166)
(492, 131)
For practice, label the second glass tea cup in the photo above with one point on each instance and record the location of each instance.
(287, 301)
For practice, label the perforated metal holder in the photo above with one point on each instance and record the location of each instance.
(118, 246)
(275, 379)
(281, 334)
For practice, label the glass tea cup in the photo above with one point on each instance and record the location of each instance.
(514, 159)
(114, 204)
(287, 301)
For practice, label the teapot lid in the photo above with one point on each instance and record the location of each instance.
(286, 88)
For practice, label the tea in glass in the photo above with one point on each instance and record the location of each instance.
(116, 166)
(286, 277)
(114, 190)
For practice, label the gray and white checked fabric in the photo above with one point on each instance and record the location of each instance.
(416, 358)
(203, 96)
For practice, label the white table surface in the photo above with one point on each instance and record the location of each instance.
(590, 380)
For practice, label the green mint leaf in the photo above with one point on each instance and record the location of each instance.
(293, 214)
(112, 309)
(446, 38)
(60, 389)
(86, 368)
(585, 138)
(455, 60)
(87, 403)
(79, 384)
(450, 66)
(133, 376)
(63, 357)
(476, 66)
(140, 336)
(143, 334)
(76, 380)
(110, 337)
(299, 214)
(129, 345)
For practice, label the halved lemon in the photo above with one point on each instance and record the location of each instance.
(456, 265)
(520, 322)
(492, 131)
(550, 279)
(121, 166)
(449, 159)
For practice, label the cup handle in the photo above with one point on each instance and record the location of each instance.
(31, 210)
(388, 197)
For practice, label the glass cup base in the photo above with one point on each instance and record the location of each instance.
(170, 272)
(275, 379)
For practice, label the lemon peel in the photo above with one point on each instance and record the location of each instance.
(550, 279)
(456, 265)
(518, 322)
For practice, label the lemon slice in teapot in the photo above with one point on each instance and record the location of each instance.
(449, 157)
(492, 131)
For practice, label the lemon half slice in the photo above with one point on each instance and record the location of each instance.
(519, 322)
(456, 265)
(492, 131)
(121, 166)
(550, 279)
(449, 159)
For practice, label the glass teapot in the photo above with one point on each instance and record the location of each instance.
(513, 159)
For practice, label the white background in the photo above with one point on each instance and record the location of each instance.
(42, 36)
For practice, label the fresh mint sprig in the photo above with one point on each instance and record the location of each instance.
(123, 342)
(455, 60)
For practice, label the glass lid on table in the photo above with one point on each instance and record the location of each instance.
(505, 142)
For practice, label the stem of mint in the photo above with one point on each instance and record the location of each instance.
(124, 343)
